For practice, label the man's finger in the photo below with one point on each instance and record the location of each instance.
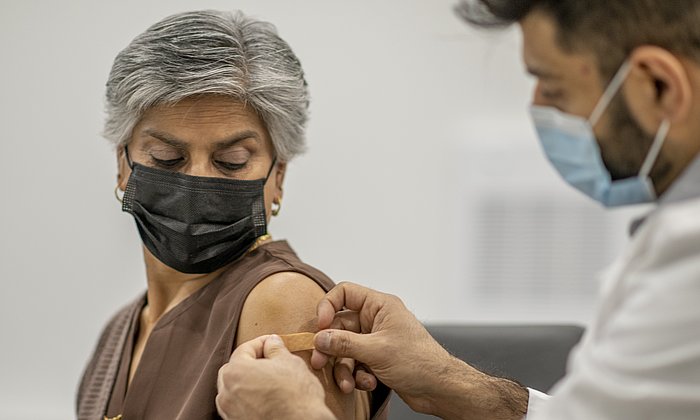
(325, 313)
(364, 380)
(346, 320)
(318, 360)
(341, 343)
(274, 347)
(252, 349)
(344, 295)
(366, 302)
(342, 372)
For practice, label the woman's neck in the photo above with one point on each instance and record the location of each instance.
(168, 287)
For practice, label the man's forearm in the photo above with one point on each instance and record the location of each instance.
(462, 392)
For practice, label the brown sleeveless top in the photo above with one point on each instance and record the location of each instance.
(179, 365)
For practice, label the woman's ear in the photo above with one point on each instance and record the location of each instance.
(279, 173)
(123, 170)
(657, 88)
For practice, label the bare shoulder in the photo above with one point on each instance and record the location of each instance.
(285, 303)
(282, 303)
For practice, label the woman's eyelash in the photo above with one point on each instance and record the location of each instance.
(229, 166)
(173, 163)
(167, 163)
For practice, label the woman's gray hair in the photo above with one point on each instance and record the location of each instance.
(210, 52)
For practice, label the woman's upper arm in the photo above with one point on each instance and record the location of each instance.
(285, 303)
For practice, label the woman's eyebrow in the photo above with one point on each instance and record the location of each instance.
(243, 135)
(220, 144)
(166, 138)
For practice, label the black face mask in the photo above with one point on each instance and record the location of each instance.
(195, 224)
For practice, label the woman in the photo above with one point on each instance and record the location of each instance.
(205, 109)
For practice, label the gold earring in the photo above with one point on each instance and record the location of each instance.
(116, 194)
(276, 211)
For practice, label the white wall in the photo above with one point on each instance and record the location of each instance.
(416, 121)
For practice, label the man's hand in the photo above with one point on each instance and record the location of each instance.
(263, 380)
(393, 344)
(377, 331)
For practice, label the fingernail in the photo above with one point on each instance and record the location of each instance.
(323, 341)
(275, 339)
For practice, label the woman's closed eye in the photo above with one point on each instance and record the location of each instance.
(233, 160)
(229, 166)
(167, 162)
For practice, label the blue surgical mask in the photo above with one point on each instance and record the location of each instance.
(570, 144)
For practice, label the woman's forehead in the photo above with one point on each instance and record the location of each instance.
(210, 119)
(204, 110)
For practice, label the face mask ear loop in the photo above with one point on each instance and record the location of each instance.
(128, 158)
(655, 148)
(274, 162)
(610, 92)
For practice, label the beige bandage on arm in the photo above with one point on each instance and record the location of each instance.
(299, 341)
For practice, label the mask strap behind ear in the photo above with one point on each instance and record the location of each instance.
(655, 148)
(274, 162)
(128, 158)
(610, 92)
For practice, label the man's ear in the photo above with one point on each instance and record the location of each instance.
(657, 88)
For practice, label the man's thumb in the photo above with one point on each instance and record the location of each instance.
(273, 347)
(342, 343)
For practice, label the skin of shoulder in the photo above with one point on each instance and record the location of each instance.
(285, 303)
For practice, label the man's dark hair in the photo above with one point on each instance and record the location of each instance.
(610, 29)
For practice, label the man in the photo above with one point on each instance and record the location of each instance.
(617, 110)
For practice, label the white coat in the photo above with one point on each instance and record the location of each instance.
(640, 358)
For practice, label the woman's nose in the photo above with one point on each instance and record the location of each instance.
(201, 166)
